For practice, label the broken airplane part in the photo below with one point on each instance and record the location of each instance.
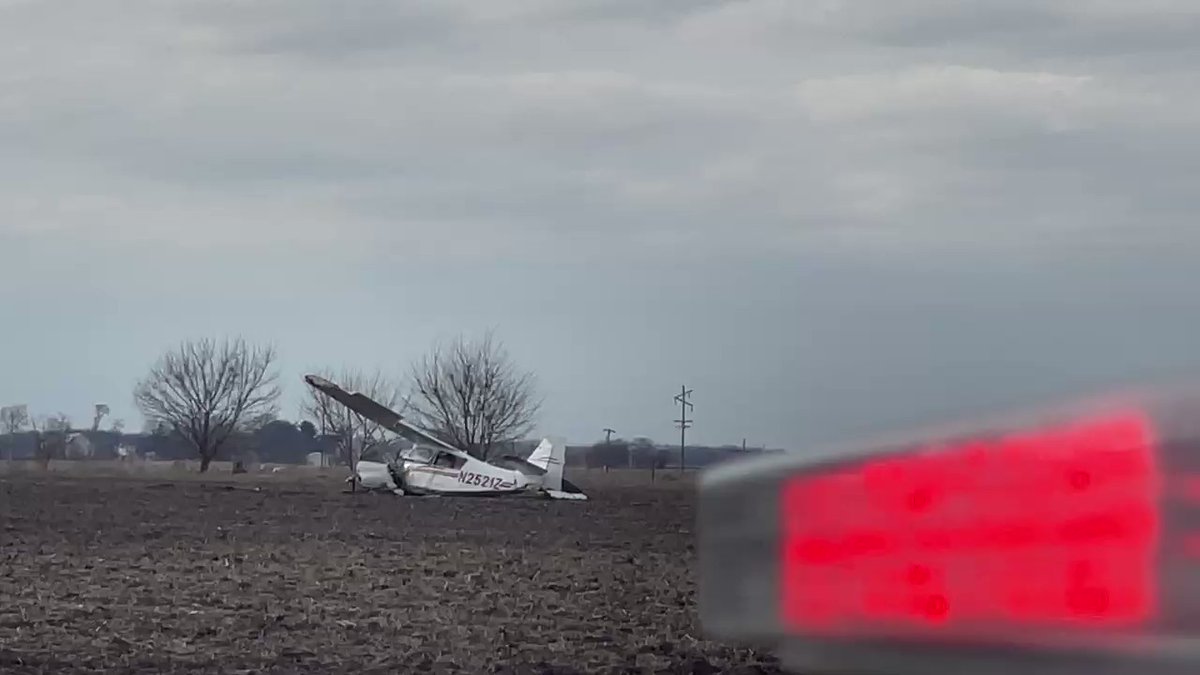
(433, 466)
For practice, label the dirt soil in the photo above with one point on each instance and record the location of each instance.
(126, 574)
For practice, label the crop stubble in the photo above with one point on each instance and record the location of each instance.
(122, 574)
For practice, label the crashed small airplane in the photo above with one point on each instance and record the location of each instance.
(433, 467)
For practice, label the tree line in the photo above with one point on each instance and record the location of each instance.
(217, 398)
(211, 399)
(49, 435)
(644, 453)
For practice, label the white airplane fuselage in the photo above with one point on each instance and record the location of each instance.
(422, 478)
(422, 471)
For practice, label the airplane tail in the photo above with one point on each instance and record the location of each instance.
(551, 457)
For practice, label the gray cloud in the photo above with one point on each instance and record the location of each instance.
(885, 191)
(540, 138)
(326, 30)
(314, 29)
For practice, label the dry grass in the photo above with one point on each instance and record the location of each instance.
(157, 569)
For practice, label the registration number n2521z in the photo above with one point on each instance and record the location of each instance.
(471, 478)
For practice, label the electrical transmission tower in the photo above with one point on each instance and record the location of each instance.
(683, 422)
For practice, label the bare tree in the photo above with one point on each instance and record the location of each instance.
(58, 424)
(12, 420)
(50, 441)
(349, 427)
(472, 395)
(207, 392)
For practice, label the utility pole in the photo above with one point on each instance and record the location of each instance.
(683, 422)
(607, 438)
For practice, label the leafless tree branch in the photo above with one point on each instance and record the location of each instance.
(50, 441)
(471, 394)
(13, 419)
(333, 418)
(207, 392)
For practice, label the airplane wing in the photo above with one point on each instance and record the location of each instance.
(376, 412)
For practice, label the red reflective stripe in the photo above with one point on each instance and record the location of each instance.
(1057, 527)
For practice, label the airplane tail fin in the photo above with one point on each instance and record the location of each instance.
(551, 456)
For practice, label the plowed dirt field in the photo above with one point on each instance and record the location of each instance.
(160, 573)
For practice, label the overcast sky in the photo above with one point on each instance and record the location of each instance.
(829, 218)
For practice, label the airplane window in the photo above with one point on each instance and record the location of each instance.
(447, 460)
(378, 453)
(419, 455)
